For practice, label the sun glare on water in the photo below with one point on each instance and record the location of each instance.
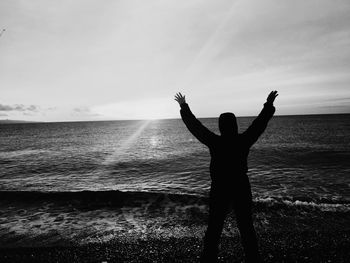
(116, 155)
(147, 110)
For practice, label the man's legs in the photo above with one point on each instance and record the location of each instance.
(246, 228)
(218, 209)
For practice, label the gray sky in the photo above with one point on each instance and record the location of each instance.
(92, 59)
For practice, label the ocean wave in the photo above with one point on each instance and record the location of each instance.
(20, 153)
(330, 206)
(98, 196)
(64, 218)
(124, 198)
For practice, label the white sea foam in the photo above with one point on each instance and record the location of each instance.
(330, 207)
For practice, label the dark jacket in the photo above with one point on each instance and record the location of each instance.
(228, 165)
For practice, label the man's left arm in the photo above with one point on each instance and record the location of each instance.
(202, 133)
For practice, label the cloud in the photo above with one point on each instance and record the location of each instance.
(32, 108)
(6, 108)
(52, 108)
(336, 108)
(19, 107)
(84, 112)
(3, 114)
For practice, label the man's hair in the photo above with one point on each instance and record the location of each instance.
(228, 124)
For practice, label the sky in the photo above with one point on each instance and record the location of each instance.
(107, 60)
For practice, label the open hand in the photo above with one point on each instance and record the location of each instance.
(180, 98)
(272, 96)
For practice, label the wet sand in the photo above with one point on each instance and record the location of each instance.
(286, 247)
(324, 239)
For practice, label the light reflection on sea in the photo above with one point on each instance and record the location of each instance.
(298, 156)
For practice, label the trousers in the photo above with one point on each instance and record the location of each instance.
(221, 202)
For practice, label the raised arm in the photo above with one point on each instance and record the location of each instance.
(260, 123)
(199, 131)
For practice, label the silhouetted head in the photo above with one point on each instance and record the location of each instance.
(228, 124)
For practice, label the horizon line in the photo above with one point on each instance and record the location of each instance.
(179, 118)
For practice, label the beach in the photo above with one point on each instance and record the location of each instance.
(287, 232)
(313, 241)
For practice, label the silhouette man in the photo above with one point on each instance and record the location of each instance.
(230, 187)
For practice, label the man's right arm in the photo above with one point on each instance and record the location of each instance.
(260, 123)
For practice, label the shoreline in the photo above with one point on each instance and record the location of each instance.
(164, 229)
(286, 246)
(284, 236)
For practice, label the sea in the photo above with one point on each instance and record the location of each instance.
(69, 183)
